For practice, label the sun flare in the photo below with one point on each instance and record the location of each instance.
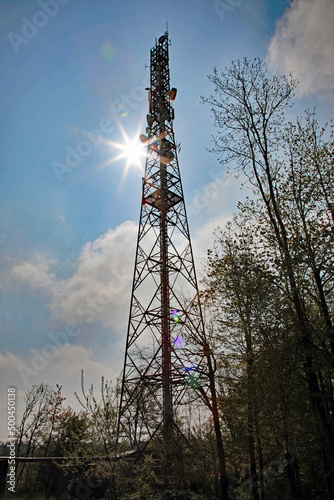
(130, 149)
(133, 152)
(129, 154)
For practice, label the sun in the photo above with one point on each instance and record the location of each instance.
(132, 151)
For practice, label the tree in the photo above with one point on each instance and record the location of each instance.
(43, 405)
(249, 110)
(251, 317)
(236, 278)
(308, 190)
(103, 414)
(206, 388)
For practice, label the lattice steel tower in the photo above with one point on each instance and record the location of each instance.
(165, 311)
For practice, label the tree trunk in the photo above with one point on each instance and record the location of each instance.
(292, 468)
(219, 441)
(255, 479)
(260, 454)
(250, 410)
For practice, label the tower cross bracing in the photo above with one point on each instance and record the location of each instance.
(165, 310)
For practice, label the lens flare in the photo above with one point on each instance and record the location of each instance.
(188, 367)
(192, 380)
(175, 316)
(130, 149)
(178, 342)
(108, 51)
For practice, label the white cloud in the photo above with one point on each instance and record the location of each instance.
(8, 368)
(36, 273)
(221, 195)
(303, 44)
(71, 359)
(62, 364)
(213, 205)
(98, 290)
(64, 369)
(205, 236)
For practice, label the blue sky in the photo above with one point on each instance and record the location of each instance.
(68, 216)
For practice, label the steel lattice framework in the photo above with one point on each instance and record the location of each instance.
(165, 310)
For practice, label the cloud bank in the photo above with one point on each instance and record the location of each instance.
(63, 368)
(303, 44)
(98, 290)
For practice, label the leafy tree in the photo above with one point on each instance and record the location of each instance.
(249, 109)
(74, 435)
(34, 434)
(103, 414)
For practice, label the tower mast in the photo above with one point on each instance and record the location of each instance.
(165, 309)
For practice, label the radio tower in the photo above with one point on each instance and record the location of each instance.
(165, 312)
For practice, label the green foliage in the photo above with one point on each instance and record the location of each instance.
(74, 434)
(269, 283)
